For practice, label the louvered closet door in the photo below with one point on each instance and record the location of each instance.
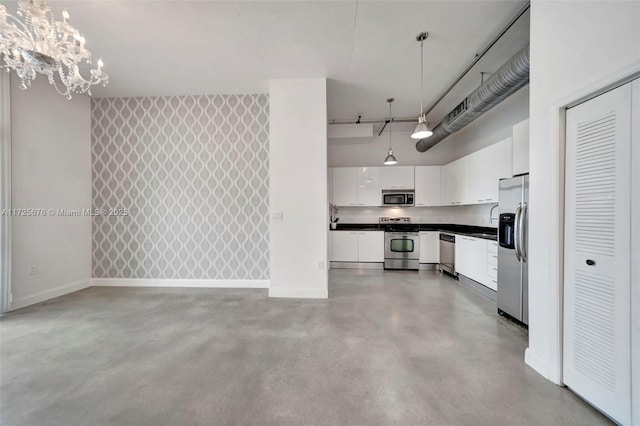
(597, 320)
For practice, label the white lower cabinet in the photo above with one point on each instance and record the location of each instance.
(430, 247)
(357, 246)
(345, 246)
(474, 257)
(371, 246)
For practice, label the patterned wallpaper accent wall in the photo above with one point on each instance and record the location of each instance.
(193, 173)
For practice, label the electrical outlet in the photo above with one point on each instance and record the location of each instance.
(33, 269)
(277, 215)
(321, 265)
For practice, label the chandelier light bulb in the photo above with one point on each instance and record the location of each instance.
(65, 15)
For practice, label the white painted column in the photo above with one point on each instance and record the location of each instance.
(298, 187)
(5, 191)
(568, 62)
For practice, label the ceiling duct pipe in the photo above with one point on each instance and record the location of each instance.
(511, 77)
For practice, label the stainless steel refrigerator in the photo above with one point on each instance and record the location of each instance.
(513, 276)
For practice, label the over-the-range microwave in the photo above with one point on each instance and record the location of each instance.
(396, 198)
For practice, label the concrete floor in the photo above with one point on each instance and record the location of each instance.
(386, 348)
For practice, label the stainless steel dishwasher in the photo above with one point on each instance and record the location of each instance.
(448, 254)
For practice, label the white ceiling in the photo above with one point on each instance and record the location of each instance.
(366, 49)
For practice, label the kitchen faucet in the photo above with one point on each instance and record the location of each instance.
(491, 213)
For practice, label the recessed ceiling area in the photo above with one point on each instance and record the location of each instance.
(367, 49)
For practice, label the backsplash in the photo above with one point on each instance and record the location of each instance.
(475, 215)
(193, 171)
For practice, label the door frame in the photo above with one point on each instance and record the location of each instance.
(635, 254)
(600, 86)
(5, 192)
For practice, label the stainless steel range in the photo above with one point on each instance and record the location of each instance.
(401, 243)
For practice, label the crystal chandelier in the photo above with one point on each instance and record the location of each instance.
(37, 44)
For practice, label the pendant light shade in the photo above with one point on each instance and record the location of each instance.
(422, 130)
(391, 159)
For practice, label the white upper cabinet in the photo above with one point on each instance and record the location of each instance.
(489, 166)
(398, 177)
(474, 179)
(344, 186)
(369, 189)
(357, 186)
(454, 182)
(520, 138)
(427, 186)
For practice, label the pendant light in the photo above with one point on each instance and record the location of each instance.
(422, 130)
(390, 160)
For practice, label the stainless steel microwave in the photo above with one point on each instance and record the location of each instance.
(395, 198)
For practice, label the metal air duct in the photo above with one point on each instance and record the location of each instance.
(511, 77)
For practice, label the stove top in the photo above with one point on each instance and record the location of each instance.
(394, 220)
(398, 224)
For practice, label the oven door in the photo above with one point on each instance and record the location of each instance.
(401, 245)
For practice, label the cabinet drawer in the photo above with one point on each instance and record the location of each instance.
(492, 259)
(492, 271)
(493, 284)
(492, 248)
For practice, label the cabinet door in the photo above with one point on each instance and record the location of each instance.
(371, 246)
(344, 186)
(446, 184)
(430, 247)
(463, 261)
(597, 281)
(486, 168)
(427, 183)
(459, 186)
(397, 177)
(480, 168)
(345, 246)
(520, 140)
(369, 186)
(478, 260)
(406, 177)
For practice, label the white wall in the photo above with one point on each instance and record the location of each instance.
(298, 187)
(495, 125)
(569, 59)
(474, 215)
(51, 168)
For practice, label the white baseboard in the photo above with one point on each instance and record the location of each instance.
(49, 294)
(299, 293)
(538, 363)
(150, 282)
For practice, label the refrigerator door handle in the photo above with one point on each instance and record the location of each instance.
(516, 232)
(523, 218)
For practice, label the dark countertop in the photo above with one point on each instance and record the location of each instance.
(469, 231)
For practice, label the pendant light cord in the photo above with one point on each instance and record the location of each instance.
(390, 120)
(421, 76)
